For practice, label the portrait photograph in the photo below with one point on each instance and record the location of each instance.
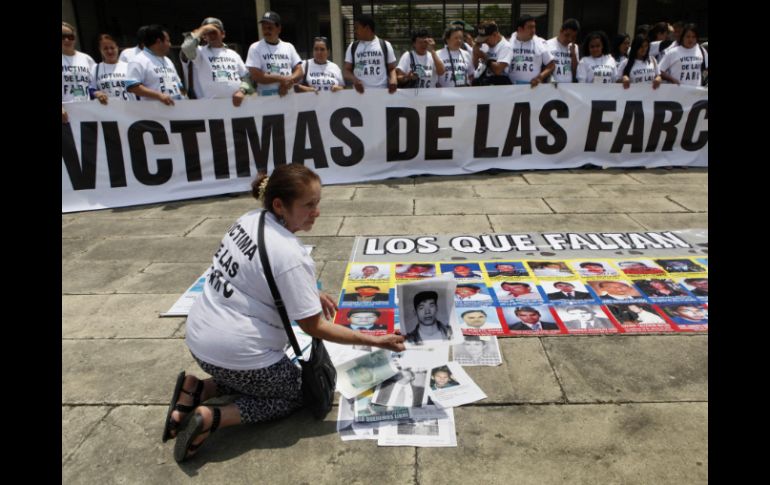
(550, 269)
(682, 265)
(584, 318)
(415, 271)
(611, 290)
(369, 271)
(530, 318)
(365, 294)
(479, 320)
(427, 312)
(686, 313)
(477, 351)
(633, 267)
(366, 319)
(566, 291)
(517, 292)
(463, 271)
(593, 268)
(506, 269)
(661, 289)
(636, 314)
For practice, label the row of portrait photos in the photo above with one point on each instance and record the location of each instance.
(566, 296)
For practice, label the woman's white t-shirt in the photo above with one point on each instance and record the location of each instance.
(234, 324)
(463, 68)
(684, 64)
(322, 76)
(76, 77)
(642, 71)
(598, 70)
(111, 80)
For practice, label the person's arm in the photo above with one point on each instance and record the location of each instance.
(260, 77)
(64, 116)
(543, 74)
(320, 328)
(668, 77)
(440, 69)
(141, 90)
(347, 73)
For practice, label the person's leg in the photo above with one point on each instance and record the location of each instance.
(265, 394)
(193, 394)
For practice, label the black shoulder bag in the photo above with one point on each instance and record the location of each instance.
(318, 373)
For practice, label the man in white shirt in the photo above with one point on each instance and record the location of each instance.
(152, 75)
(218, 72)
(129, 53)
(367, 64)
(492, 54)
(273, 64)
(529, 55)
(565, 51)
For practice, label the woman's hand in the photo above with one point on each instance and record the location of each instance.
(394, 342)
(329, 306)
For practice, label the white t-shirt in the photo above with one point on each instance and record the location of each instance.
(598, 70)
(217, 72)
(527, 60)
(368, 64)
(322, 76)
(684, 64)
(641, 71)
(111, 80)
(501, 52)
(235, 324)
(424, 66)
(655, 49)
(463, 68)
(156, 73)
(280, 59)
(128, 54)
(76, 77)
(563, 59)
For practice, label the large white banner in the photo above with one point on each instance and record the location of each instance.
(130, 153)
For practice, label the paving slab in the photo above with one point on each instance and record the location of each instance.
(503, 191)
(604, 205)
(462, 206)
(218, 206)
(156, 249)
(449, 181)
(118, 316)
(560, 177)
(367, 207)
(564, 222)
(77, 422)
(164, 278)
(658, 190)
(524, 377)
(74, 248)
(126, 448)
(695, 203)
(576, 444)
(125, 371)
(332, 276)
(100, 277)
(662, 222)
(390, 225)
(324, 226)
(626, 368)
(412, 192)
(678, 176)
(128, 228)
(338, 192)
(328, 248)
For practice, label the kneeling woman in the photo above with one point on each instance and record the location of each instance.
(234, 330)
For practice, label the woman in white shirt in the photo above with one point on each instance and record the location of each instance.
(597, 65)
(234, 330)
(108, 79)
(640, 67)
(457, 61)
(687, 63)
(319, 73)
(75, 70)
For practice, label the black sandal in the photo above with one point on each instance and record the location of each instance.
(194, 428)
(172, 425)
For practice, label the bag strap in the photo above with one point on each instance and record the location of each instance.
(452, 62)
(304, 78)
(273, 288)
(384, 49)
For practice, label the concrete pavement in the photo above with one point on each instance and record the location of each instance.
(622, 409)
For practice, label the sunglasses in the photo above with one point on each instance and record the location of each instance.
(68, 36)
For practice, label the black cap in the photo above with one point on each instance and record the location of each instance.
(484, 31)
(271, 16)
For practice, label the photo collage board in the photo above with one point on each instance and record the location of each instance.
(523, 297)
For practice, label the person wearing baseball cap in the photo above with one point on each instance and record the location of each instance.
(273, 64)
(492, 54)
(213, 70)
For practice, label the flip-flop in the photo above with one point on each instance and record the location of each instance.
(193, 428)
(174, 398)
(184, 438)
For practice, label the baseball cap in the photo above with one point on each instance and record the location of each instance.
(213, 21)
(485, 30)
(271, 16)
